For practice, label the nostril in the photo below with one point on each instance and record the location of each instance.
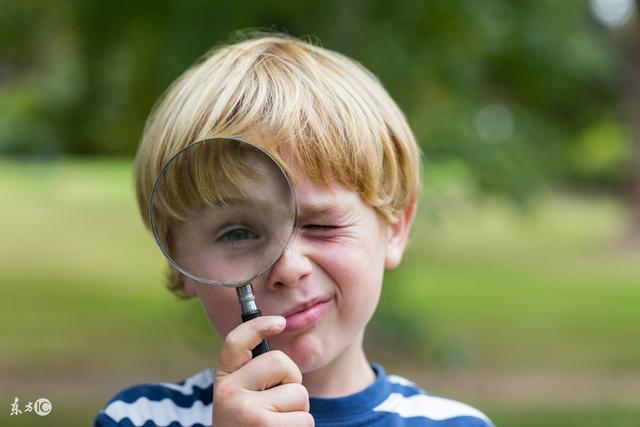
(279, 285)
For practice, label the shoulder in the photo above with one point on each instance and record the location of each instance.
(188, 403)
(409, 401)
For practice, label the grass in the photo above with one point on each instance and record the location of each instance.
(484, 289)
(562, 416)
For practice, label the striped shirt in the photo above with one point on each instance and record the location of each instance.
(391, 401)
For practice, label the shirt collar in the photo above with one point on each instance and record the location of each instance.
(353, 405)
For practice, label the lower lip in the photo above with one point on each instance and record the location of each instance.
(306, 318)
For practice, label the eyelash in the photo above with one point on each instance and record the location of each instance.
(226, 236)
(321, 226)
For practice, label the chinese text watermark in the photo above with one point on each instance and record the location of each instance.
(42, 407)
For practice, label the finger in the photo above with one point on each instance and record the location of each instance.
(284, 398)
(268, 370)
(294, 419)
(236, 349)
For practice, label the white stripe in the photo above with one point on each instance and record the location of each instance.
(162, 413)
(202, 379)
(402, 381)
(434, 408)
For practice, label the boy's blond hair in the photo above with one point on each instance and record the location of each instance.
(330, 114)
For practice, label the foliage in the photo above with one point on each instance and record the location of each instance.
(512, 90)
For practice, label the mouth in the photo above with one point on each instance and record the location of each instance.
(306, 314)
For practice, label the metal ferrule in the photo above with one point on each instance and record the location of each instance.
(247, 300)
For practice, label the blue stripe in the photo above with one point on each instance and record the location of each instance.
(406, 390)
(126, 422)
(157, 392)
(105, 421)
(389, 419)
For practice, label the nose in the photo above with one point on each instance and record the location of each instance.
(291, 267)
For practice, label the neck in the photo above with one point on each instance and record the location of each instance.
(347, 374)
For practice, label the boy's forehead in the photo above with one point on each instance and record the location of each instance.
(312, 198)
(317, 199)
(328, 208)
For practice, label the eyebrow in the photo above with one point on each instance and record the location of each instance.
(230, 201)
(242, 202)
(320, 209)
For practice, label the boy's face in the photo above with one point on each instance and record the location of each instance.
(332, 270)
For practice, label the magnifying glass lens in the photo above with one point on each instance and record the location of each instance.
(222, 211)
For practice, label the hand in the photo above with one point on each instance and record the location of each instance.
(266, 391)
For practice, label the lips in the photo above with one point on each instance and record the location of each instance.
(305, 305)
(306, 314)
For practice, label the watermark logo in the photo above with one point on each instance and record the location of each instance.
(41, 407)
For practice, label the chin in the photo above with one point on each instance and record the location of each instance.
(307, 352)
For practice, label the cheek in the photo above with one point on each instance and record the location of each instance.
(221, 306)
(357, 273)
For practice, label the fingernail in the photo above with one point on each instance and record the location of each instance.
(279, 322)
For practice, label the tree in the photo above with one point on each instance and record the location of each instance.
(632, 103)
(518, 93)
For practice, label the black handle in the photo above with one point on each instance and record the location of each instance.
(263, 347)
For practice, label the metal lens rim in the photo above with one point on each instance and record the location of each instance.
(154, 227)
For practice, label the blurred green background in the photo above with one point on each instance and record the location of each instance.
(520, 292)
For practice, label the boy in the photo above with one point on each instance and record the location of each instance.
(355, 169)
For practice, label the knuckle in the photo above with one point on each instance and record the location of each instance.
(303, 391)
(235, 406)
(299, 391)
(302, 397)
(232, 340)
(223, 391)
(308, 420)
(283, 363)
(278, 359)
(292, 365)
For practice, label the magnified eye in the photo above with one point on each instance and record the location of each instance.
(238, 235)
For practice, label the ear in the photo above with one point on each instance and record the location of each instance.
(398, 234)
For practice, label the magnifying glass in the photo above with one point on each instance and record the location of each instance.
(222, 211)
